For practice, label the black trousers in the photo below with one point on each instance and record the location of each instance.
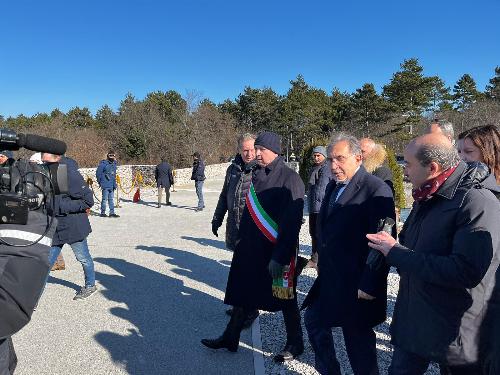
(8, 358)
(291, 316)
(406, 363)
(360, 343)
(313, 218)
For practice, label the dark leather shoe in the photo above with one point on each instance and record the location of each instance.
(289, 352)
(220, 343)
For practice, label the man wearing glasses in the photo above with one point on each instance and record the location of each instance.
(348, 292)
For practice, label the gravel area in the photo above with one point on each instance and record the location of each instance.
(273, 330)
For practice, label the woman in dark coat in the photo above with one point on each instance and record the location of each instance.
(482, 143)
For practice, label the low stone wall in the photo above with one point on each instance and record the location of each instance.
(182, 176)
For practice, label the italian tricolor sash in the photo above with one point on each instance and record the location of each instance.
(282, 287)
(264, 222)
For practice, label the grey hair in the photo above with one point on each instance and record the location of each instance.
(353, 142)
(245, 137)
(446, 127)
(443, 155)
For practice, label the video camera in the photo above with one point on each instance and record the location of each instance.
(27, 186)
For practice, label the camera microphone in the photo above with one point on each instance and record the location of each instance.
(10, 140)
(41, 144)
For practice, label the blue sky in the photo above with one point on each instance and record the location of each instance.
(62, 54)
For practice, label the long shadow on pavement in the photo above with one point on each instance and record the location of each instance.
(207, 242)
(208, 271)
(141, 202)
(66, 283)
(169, 318)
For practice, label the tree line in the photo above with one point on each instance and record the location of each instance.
(167, 124)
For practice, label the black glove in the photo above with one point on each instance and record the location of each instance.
(215, 228)
(275, 269)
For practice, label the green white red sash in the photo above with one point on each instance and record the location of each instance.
(282, 287)
(264, 222)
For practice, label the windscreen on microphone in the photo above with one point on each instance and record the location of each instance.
(41, 144)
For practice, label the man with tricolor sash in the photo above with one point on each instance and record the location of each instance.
(262, 274)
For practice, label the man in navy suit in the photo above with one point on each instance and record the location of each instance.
(164, 179)
(348, 293)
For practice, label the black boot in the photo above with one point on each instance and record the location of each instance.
(231, 337)
(294, 341)
(251, 316)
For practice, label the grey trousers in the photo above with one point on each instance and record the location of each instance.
(167, 194)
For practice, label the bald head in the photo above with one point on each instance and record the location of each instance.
(434, 147)
(427, 157)
(434, 139)
(367, 146)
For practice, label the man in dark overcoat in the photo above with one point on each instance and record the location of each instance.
(164, 179)
(447, 257)
(348, 293)
(232, 198)
(262, 269)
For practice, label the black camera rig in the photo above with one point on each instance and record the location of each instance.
(26, 186)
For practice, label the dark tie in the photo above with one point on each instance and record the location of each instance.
(333, 197)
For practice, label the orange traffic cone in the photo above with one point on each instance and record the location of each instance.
(137, 195)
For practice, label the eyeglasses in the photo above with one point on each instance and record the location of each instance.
(339, 158)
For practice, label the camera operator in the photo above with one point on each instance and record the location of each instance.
(23, 271)
(73, 226)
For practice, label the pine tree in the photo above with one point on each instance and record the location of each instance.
(493, 89)
(465, 93)
(410, 92)
(368, 108)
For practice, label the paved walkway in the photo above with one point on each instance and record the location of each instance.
(161, 276)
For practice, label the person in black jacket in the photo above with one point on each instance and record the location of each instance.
(164, 179)
(348, 293)
(233, 196)
(320, 177)
(23, 272)
(236, 184)
(262, 274)
(73, 223)
(447, 256)
(198, 176)
(482, 143)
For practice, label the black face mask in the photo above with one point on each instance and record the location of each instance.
(111, 159)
